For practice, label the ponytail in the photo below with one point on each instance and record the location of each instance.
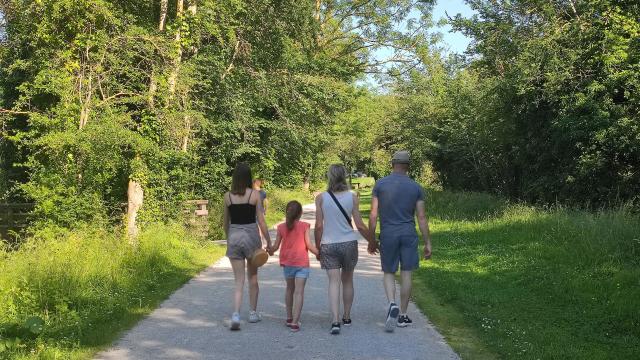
(294, 212)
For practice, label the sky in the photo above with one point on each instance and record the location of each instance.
(455, 41)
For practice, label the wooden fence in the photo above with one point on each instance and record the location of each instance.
(14, 217)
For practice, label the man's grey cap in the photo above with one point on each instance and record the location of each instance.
(401, 157)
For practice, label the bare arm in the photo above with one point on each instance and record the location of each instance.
(373, 223)
(262, 222)
(423, 223)
(225, 217)
(276, 245)
(319, 221)
(357, 218)
(311, 246)
(373, 216)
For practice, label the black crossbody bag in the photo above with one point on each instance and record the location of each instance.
(346, 216)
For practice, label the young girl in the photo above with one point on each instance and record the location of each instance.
(294, 258)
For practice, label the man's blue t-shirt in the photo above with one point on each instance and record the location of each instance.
(397, 196)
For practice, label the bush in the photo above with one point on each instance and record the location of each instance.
(532, 283)
(88, 284)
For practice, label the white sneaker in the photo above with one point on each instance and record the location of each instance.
(254, 317)
(392, 317)
(235, 321)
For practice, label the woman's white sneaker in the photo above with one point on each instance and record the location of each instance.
(254, 317)
(235, 321)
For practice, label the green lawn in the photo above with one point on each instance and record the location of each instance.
(68, 294)
(278, 199)
(512, 281)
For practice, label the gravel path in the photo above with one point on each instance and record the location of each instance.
(193, 322)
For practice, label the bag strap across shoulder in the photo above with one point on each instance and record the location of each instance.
(346, 216)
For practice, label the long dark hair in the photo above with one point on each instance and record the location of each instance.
(294, 212)
(241, 179)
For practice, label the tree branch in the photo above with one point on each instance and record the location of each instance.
(14, 112)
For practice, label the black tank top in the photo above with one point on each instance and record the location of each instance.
(242, 214)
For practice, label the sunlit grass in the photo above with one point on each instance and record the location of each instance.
(513, 281)
(88, 285)
(278, 199)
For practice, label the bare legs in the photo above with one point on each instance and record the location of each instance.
(390, 286)
(238, 275)
(294, 298)
(337, 278)
(405, 288)
(347, 293)
(288, 296)
(334, 293)
(254, 289)
(238, 267)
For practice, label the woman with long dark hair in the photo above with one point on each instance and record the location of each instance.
(242, 216)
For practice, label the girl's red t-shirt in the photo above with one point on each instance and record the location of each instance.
(293, 248)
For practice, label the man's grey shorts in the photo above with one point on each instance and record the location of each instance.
(342, 255)
(399, 250)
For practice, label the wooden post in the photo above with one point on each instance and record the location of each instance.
(135, 196)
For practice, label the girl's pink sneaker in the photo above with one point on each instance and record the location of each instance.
(295, 327)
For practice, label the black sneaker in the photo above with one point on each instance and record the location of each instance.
(404, 321)
(346, 322)
(335, 328)
(392, 317)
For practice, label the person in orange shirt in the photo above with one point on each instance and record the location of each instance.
(296, 243)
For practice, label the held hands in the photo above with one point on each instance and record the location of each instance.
(373, 247)
(270, 249)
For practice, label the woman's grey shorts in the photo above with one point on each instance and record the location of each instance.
(243, 241)
(342, 255)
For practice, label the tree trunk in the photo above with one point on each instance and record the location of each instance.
(192, 9)
(187, 133)
(164, 5)
(135, 197)
(153, 88)
(85, 95)
(318, 8)
(178, 58)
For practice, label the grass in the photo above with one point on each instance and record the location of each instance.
(513, 281)
(278, 199)
(67, 294)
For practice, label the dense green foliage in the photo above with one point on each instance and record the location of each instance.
(99, 92)
(528, 283)
(544, 107)
(546, 110)
(87, 285)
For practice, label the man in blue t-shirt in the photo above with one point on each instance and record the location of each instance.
(397, 200)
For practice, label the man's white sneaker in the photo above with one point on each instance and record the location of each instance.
(392, 317)
(254, 317)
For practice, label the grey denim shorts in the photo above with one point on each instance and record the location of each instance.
(243, 241)
(342, 255)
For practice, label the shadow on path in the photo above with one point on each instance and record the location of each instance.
(193, 322)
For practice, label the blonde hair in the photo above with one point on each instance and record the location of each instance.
(337, 177)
